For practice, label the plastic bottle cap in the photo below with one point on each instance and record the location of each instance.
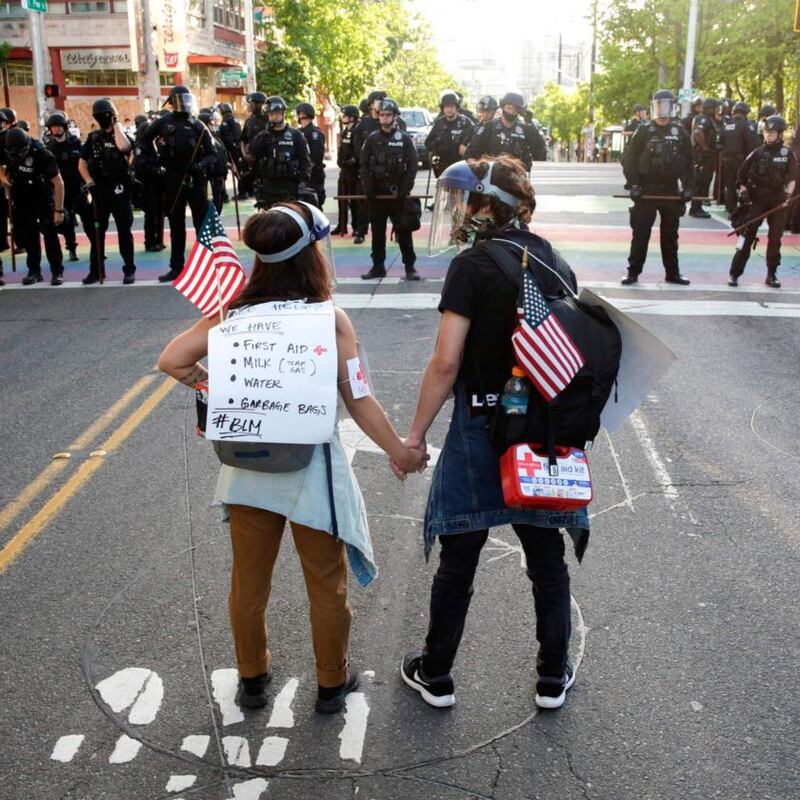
(518, 372)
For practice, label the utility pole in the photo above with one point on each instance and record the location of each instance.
(559, 58)
(688, 70)
(38, 56)
(149, 85)
(249, 46)
(592, 68)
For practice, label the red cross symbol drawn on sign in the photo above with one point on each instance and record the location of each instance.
(319, 349)
(528, 465)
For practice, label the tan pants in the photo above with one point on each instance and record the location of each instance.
(256, 539)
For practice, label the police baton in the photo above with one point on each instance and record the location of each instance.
(11, 229)
(188, 169)
(101, 261)
(661, 197)
(382, 197)
(784, 204)
(234, 176)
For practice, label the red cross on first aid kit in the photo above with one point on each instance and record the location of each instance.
(528, 482)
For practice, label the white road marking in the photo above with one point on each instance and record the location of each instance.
(707, 308)
(141, 689)
(125, 750)
(354, 439)
(282, 715)
(249, 790)
(506, 549)
(237, 750)
(177, 783)
(355, 727)
(196, 744)
(66, 747)
(224, 684)
(272, 751)
(659, 468)
(628, 497)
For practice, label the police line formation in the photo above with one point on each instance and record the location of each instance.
(173, 159)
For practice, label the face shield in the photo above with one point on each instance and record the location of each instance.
(449, 215)
(184, 103)
(661, 108)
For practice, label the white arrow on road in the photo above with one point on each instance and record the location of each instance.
(354, 439)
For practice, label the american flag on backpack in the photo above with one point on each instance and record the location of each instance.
(542, 346)
(212, 275)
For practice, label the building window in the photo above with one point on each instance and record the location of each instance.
(12, 8)
(20, 73)
(197, 14)
(229, 14)
(90, 7)
(101, 77)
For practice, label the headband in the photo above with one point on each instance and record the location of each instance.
(320, 228)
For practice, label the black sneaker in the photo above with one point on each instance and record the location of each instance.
(436, 692)
(375, 272)
(630, 279)
(358, 239)
(33, 277)
(90, 279)
(551, 692)
(332, 700)
(170, 276)
(412, 274)
(733, 281)
(700, 214)
(128, 279)
(56, 280)
(679, 279)
(252, 692)
(773, 282)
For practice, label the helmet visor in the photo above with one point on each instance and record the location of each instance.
(662, 108)
(449, 215)
(184, 103)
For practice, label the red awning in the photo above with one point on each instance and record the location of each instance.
(215, 61)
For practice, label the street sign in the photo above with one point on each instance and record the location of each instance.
(35, 5)
(230, 77)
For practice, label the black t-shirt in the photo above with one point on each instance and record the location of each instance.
(477, 288)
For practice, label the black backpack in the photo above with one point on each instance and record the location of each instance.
(573, 417)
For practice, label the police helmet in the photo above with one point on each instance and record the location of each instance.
(638, 108)
(23, 125)
(206, 115)
(697, 101)
(138, 120)
(305, 110)
(710, 105)
(776, 122)
(449, 98)
(103, 106)
(259, 98)
(741, 108)
(387, 104)
(57, 118)
(350, 111)
(363, 106)
(767, 110)
(375, 96)
(17, 143)
(513, 99)
(275, 103)
(182, 100)
(9, 114)
(487, 103)
(224, 108)
(662, 102)
(3, 118)
(141, 128)
(726, 103)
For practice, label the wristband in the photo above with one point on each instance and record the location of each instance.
(58, 210)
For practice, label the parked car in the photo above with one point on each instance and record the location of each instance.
(418, 125)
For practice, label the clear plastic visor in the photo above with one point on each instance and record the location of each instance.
(184, 103)
(449, 213)
(662, 108)
(326, 246)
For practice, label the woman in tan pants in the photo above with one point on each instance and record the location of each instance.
(290, 265)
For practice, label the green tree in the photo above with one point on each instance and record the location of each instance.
(285, 71)
(565, 112)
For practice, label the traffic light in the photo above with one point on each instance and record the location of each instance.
(51, 90)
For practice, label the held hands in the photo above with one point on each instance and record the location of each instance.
(415, 458)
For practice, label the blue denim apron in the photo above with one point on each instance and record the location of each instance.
(466, 493)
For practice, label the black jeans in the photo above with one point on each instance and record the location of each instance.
(643, 215)
(703, 175)
(452, 592)
(153, 208)
(349, 183)
(380, 211)
(176, 196)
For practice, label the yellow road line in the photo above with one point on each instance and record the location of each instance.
(55, 468)
(85, 471)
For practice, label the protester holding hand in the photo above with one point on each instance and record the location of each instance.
(290, 265)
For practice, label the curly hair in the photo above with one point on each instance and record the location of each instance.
(510, 175)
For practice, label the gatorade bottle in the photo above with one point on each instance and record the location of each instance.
(515, 393)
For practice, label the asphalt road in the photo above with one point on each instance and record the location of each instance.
(116, 659)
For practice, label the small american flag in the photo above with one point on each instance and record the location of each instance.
(212, 275)
(542, 346)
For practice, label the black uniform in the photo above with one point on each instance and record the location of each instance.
(67, 155)
(738, 138)
(633, 125)
(349, 183)
(316, 149)
(110, 196)
(179, 138)
(765, 172)
(656, 158)
(230, 134)
(389, 166)
(519, 139)
(704, 150)
(368, 125)
(32, 197)
(445, 138)
(148, 175)
(281, 165)
(256, 123)
(218, 172)
(688, 121)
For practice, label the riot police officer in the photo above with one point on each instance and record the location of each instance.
(218, 171)
(764, 113)
(487, 106)
(31, 174)
(316, 148)
(280, 157)
(105, 171)
(704, 151)
(370, 123)
(253, 125)
(639, 118)
(657, 157)
(230, 134)
(509, 135)
(447, 134)
(766, 179)
(737, 139)
(147, 174)
(66, 150)
(186, 154)
(695, 109)
(349, 182)
(462, 109)
(389, 167)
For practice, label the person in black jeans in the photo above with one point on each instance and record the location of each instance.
(473, 358)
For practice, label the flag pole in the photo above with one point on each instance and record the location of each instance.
(219, 297)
